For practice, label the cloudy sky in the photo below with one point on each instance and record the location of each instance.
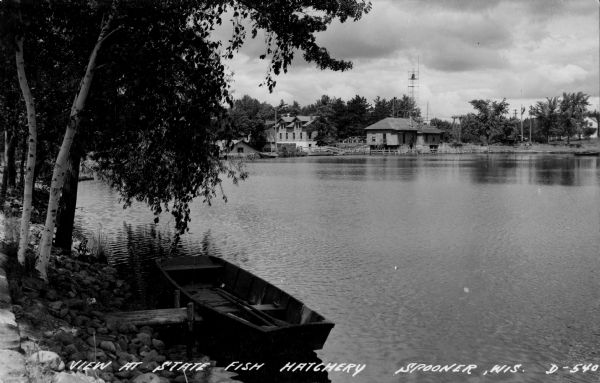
(521, 50)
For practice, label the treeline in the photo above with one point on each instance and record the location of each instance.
(337, 119)
(492, 122)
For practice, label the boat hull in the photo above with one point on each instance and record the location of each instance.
(243, 309)
(588, 153)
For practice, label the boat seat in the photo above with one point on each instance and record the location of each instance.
(267, 307)
(225, 309)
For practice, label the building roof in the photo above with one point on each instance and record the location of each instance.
(391, 123)
(430, 130)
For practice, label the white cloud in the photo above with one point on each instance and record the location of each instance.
(524, 50)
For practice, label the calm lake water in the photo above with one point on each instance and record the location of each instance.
(471, 259)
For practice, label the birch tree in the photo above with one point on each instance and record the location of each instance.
(14, 20)
(31, 151)
(61, 164)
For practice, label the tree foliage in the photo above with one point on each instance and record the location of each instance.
(445, 127)
(159, 105)
(490, 122)
(572, 113)
(547, 115)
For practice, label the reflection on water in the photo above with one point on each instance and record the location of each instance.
(484, 259)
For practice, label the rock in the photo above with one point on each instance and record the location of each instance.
(92, 341)
(47, 358)
(146, 378)
(122, 343)
(150, 366)
(125, 357)
(96, 355)
(80, 355)
(126, 327)
(149, 356)
(75, 303)
(158, 344)
(145, 338)
(81, 320)
(147, 330)
(125, 374)
(64, 337)
(65, 377)
(97, 314)
(12, 365)
(70, 349)
(29, 347)
(132, 349)
(144, 349)
(17, 310)
(51, 295)
(55, 306)
(108, 346)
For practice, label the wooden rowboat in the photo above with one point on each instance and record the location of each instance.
(587, 153)
(268, 155)
(234, 301)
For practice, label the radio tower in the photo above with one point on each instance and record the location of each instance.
(413, 84)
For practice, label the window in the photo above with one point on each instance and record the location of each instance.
(373, 139)
(286, 136)
(293, 136)
(240, 150)
(300, 135)
(280, 136)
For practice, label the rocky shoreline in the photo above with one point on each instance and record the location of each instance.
(64, 322)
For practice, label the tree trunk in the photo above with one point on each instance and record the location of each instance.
(60, 167)
(28, 185)
(9, 140)
(68, 202)
(10, 161)
(22, 163)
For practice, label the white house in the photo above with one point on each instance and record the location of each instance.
(291, 130)
(592, 123)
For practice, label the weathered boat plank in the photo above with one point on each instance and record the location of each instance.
(152, 317)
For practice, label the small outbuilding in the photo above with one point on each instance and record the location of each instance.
(242, 149)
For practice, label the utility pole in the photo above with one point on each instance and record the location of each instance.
(529, 130)
(459, 126)
(522, 111)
